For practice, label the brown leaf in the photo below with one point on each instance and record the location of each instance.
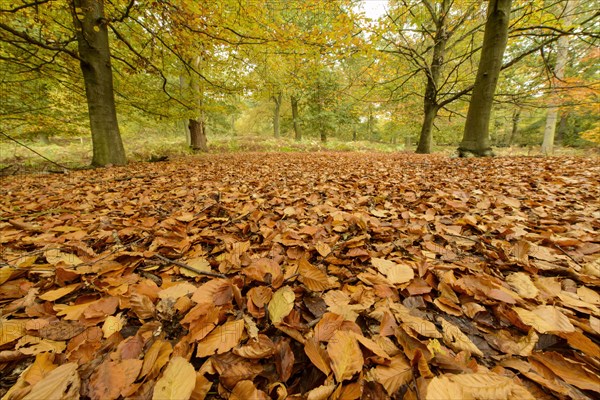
(317, 355)
(222, 339)
(315, 279)
(284, 359)
(394, 375)
(113, 379)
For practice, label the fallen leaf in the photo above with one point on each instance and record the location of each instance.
(61, 383)
(281, 304)
(346, 357)
(394, 375)
(395, 273)
(222, 339)
(545, 319)
(177, 381)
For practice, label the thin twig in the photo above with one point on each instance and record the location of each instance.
(189, 268)
(568, 255)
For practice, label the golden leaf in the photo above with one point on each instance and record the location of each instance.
(545, 319)
(394, 375)
(315, 279)
(455, 339)
(112, 324)
(156, 357)
(56, 294)
(177, 382)
(60, 383)
(198, 263)
(222, 339)
(5, 274)
(441, 387)
(323, 249)
(490, 386)
(395, 273)
(58, 258)
(33, 345)
(320, 393)
(177, 291)
(281, 304)
(202, 387)
(570, 371)
(346, 357)
(523, 285)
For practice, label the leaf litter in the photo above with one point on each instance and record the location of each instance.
(303, 276)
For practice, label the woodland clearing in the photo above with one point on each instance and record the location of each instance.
(303, 275)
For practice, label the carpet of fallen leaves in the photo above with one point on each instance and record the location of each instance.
(303, 276)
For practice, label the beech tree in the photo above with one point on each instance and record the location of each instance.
(476, 138)
(94, 56)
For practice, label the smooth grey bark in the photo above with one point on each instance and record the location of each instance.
(476, 136)
(296, 119)
(94, 55)
(430, 103)
(562, 54)
(276, 114)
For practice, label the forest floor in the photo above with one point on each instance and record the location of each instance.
(76, 153)
(303, 275)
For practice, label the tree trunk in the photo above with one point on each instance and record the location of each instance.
(562, 54)
(370, 124)
(515, 126)
(430, 106)
(562, 127)
(92, 40)
(426, 136)
(276, 112)
(354, 135)
(198, 140)
(323, 133)
(296, 119)
(476, 136)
